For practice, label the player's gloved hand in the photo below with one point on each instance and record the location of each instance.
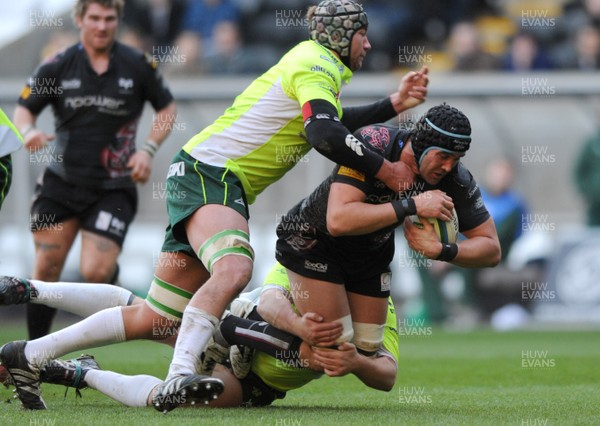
(315, 332)
(338, 362)
(140, 164)
(435, 204)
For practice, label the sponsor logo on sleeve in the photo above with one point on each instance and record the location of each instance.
(354, 144)
(347, 171)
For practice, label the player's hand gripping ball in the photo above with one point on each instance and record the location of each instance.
(447, 232)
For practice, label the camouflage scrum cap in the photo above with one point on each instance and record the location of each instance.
(333, 24)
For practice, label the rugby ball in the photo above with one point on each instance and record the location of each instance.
(447, 232)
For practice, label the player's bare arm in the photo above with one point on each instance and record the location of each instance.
(141, 161)
(480, 249)
(277, 310)
(378, 372)
(33, 138)
(348, 213)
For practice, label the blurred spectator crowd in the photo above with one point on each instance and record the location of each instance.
(248, 36)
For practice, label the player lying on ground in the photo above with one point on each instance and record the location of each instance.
(269, 378)
(338, 242)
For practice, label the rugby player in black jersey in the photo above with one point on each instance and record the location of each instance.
(97, 89)
(339, 241)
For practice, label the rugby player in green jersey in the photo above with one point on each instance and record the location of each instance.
(10, 142)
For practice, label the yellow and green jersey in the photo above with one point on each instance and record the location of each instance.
(10, 138)
(278, 375)
(261, 136)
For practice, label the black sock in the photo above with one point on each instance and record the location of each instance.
(368, 354)
(255, 333)
(39, 320)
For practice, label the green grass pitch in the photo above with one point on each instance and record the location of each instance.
(481, 377)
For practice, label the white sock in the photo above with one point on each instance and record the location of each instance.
(132, 391)
(82, 299)
(102, 328)
(197, 327)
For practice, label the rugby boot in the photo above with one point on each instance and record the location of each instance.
(186, 389)
(15, 291)
(70, 373)
(25, 376)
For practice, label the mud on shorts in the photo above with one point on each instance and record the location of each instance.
(105, 212)
(319, 257)
(5, 177)
(192, 184)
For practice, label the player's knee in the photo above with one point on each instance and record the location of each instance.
(367, 337)
(97, 273)
(347, 330)
(48, 269)
(234, 272)
(228, 254)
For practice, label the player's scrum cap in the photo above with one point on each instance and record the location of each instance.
(333, 24)
(443, 127)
